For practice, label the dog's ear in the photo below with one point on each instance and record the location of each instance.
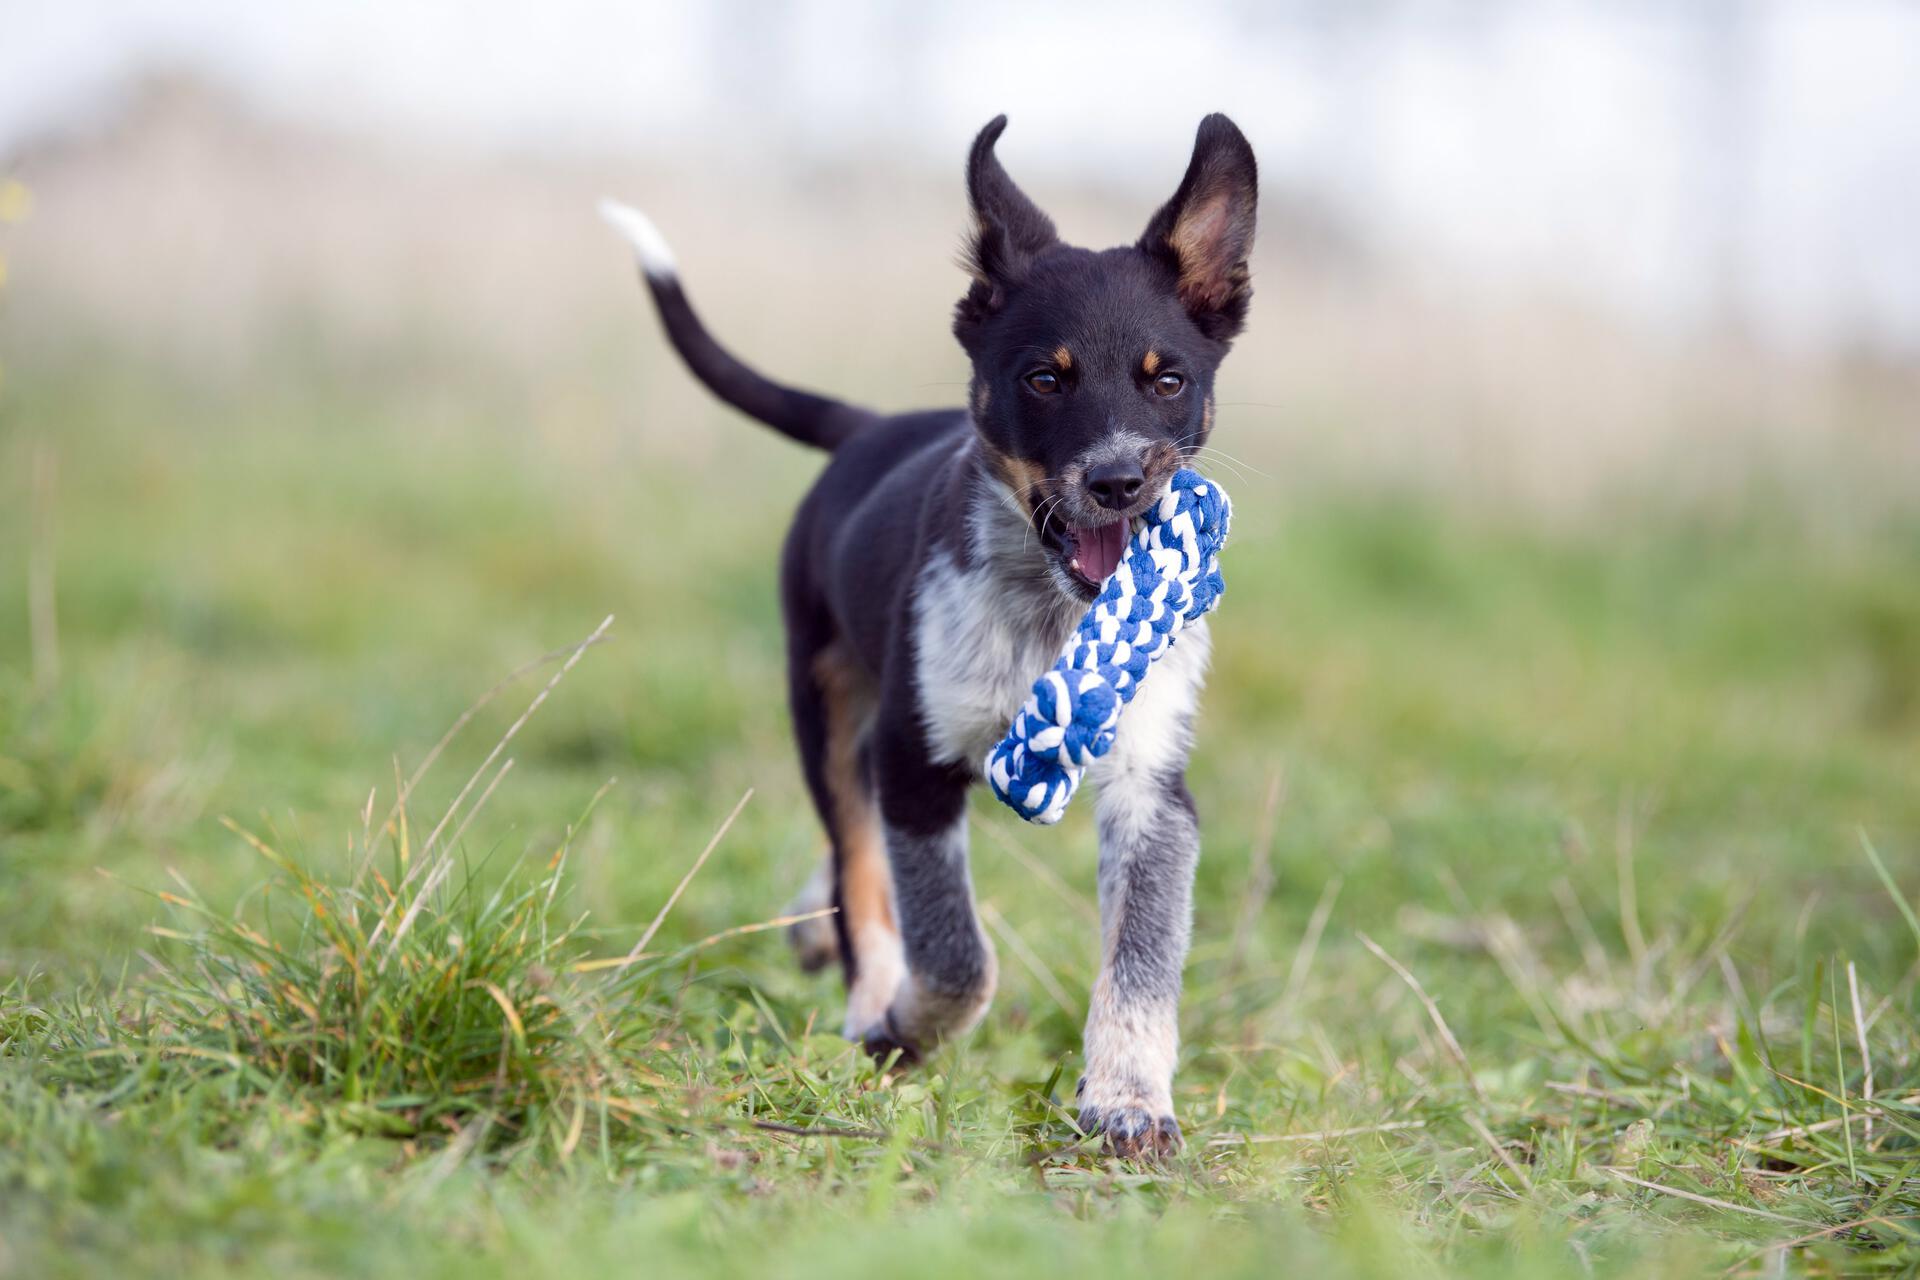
(1008, 230)
(1206, 231)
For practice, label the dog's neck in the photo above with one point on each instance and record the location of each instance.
(990, 612)
(1004, 549)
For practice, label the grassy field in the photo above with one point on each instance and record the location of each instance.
(1607, 791)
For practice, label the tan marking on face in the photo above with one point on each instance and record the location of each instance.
(1062, 357)
(982, 398)
(866, 884)
(1151, 363)
(1206, 416)
(1028, 480)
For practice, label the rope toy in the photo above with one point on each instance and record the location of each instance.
(1168, 577)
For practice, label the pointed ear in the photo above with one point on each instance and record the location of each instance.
(1206, 231)
(1008, 230)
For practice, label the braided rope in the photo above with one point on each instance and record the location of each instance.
(1168, 577)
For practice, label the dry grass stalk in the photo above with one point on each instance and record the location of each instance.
(1310, 942)
(1860, 1037)
(713, 843)
(426, 850)
(1260, 877)
(1029, 957)
(1454, 1050)
(1044, 874)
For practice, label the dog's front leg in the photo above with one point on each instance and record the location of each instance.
(1149, 846)
(950, 964)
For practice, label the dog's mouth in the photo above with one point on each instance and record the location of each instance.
(1089, 553)
(1095, 552)
(1085, 543)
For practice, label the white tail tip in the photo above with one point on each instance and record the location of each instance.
(656, 259)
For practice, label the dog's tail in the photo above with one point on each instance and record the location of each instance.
(799, 415)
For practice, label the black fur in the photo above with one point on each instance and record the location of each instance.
(1092, 381)
(808, 418)
(1219, 187)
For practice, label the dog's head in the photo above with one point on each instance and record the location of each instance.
(1093, 370)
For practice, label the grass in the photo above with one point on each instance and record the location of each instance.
(1554, 917)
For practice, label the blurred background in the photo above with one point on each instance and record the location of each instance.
(1570, 651)
(1532, 249)
(1575, 439)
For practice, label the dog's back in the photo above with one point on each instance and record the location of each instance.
(863, 529)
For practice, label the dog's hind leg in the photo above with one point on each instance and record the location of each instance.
(833, 708)
(815, 943)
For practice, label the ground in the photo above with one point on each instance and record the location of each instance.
(1607, 792)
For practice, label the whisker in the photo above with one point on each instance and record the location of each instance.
(1193, 453)
(1047, 508)
(1217, 451)
(1012, 504)
(1200, 456)
(1036, 519)
(1185, 443)
(1013, 499)
(1240, 466)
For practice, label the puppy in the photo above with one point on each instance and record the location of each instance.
(939, 562)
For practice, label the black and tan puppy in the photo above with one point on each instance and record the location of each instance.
(939, 562)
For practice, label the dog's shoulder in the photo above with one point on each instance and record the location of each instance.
(855, 545)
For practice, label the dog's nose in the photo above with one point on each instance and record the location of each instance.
(1115, 484)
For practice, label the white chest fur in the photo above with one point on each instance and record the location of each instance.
(980, 647)
(981, 641)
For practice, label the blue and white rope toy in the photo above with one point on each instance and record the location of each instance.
(1168, 577)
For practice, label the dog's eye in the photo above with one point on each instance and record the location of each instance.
(1168, 384)
(1043, 381)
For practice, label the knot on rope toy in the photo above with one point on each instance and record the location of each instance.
(1168, 577)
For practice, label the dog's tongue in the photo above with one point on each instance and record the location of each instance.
(1099, 550)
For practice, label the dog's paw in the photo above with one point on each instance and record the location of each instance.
(813, 945)
(814, 942)
(883, 1041)
(1132, 1133)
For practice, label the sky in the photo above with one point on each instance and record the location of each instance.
(1690, 163)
